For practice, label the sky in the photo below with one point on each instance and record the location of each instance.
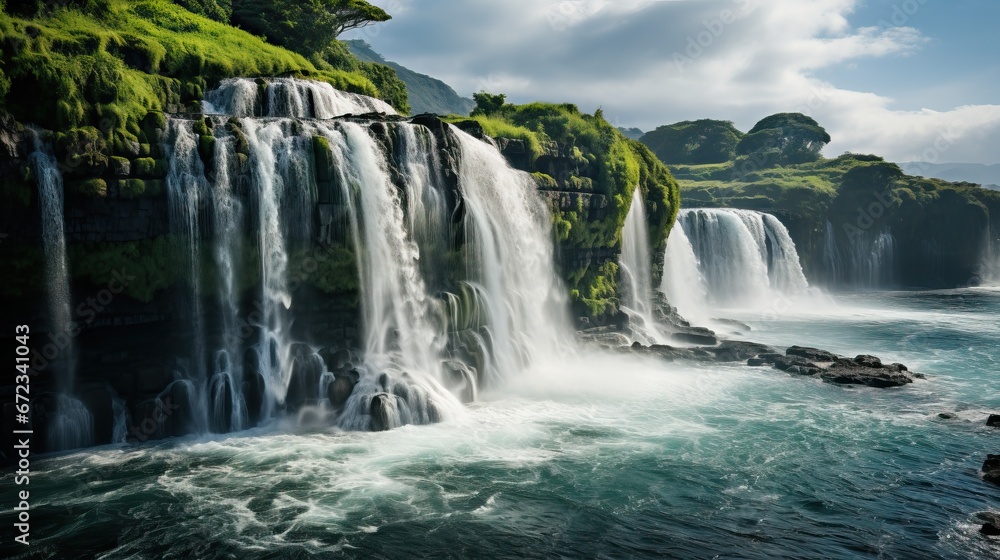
(911, 80)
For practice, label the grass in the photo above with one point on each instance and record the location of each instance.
(109, 70)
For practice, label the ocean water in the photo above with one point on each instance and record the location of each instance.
(592, 456)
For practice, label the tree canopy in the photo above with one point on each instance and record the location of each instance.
(784, 138)
(304, 26)
(488, 104)
(694, 142)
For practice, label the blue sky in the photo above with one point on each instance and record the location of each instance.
(914, 80)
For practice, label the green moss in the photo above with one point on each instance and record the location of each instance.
(148, 266)
(545, 181)
(120, 167)
(149, 168)
(89, 187)
(132, 188)
(108, 68)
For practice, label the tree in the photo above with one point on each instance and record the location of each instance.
(304, 26)
(784, 138)
(488, 104)
(694, 142)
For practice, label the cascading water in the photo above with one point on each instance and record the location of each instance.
(990, 269)
(287, 97)
(637, 274)
(433, 332)
(860, 259)
(72, 425)
(744, 258)
(187, 194)
(683, 283)
(509, 251)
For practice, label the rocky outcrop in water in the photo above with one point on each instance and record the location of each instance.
(833, 368)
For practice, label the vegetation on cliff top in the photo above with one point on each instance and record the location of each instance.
(589, 157)
(781, 172)
(107, 63)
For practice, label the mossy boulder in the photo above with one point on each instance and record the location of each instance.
(120, 167)
(149, 168)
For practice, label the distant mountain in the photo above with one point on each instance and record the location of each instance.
(633, 133)
(426, 94)
(985, 175)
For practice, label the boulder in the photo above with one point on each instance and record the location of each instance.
(993, 421)
(991, 469)
(991, 523)
(340, 390)
(867, 370)
(812, 354)
(695, 338)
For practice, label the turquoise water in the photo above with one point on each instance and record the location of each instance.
(596, 456)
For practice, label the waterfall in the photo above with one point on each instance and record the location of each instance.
(71, 426)
(990, 268)
(456, 276)
(859, 259)
(683, 283)
(50, 201)
(289, 98)
(743, 258)
(636, 272)
(187, 194)
(509, 250)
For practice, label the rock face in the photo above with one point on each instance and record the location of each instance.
(991, 469)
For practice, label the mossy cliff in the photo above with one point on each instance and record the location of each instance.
(587, 171)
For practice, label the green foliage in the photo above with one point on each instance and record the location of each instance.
(784, 138)
(488, 104)
(217, 10)
(108, 67)
(593, 157)
(694, 142)
(305, 26)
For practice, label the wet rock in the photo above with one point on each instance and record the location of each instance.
(991, 523)
(785, 363)
(702, 338)
(991, 469)
(993, 421)
(869, 371)
(339, 391)
(865, 360)
(738, 350)
(947, 416)
(803, 370)
(605, 339)
(812, 354)
(383, 412)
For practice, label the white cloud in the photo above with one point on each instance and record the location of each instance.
(653, 62)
